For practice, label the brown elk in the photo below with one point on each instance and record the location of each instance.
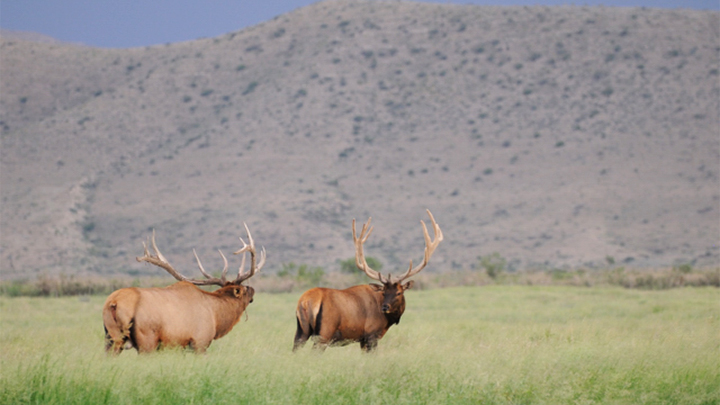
(362, 313)
(181, 315)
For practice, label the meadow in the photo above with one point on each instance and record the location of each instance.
(465, 345)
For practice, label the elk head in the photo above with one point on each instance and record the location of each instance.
(230, 288)
(392, 287)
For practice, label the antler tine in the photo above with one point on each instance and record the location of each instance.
(245, 247)
(250, 239)
(225, 267)
(155, 248)
(210, 279)
(430, 246)
(254, 265)
(200, 266)
(242, 266)
(159, 260)
(360, 260)
(263, 256)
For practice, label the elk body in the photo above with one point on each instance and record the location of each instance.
(362, 313)
(182, 314)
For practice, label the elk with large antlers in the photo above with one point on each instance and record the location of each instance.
(182, 314)
(362, 313)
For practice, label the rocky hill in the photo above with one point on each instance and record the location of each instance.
(555, 136)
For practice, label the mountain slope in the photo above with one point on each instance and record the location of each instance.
(559, 136)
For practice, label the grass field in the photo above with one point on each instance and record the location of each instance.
(490, 345)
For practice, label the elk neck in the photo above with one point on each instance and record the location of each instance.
(228, 308)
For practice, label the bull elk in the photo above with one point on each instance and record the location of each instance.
(182, 314)
(362, 313)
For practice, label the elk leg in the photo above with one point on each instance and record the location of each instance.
(146, 342)
(298, 344)
(320, 344)
(326, 334)
(113, 345)
(108, 340)
(301, 336)
(368, 344)
(199, 346)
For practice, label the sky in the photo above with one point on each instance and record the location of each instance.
(137, 23)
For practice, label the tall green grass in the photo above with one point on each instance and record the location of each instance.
(493, 345)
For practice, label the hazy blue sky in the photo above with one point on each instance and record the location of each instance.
(132, 23)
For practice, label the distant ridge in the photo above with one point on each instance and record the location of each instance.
(555, 136)
(28, 36)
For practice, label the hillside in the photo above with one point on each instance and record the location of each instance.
(556, 136)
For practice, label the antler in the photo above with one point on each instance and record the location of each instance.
(430, 246)
(254, 266)
(210, 280)
(159, 260)
(360, 261)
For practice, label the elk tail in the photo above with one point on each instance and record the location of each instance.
(302, 334)
(304, 320)
(113, 330)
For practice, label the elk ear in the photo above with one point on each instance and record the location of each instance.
(408, 285)
(377, 287)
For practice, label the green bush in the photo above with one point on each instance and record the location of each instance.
(685, 268)
(494, 264)
(348, 266)
(302, 274)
